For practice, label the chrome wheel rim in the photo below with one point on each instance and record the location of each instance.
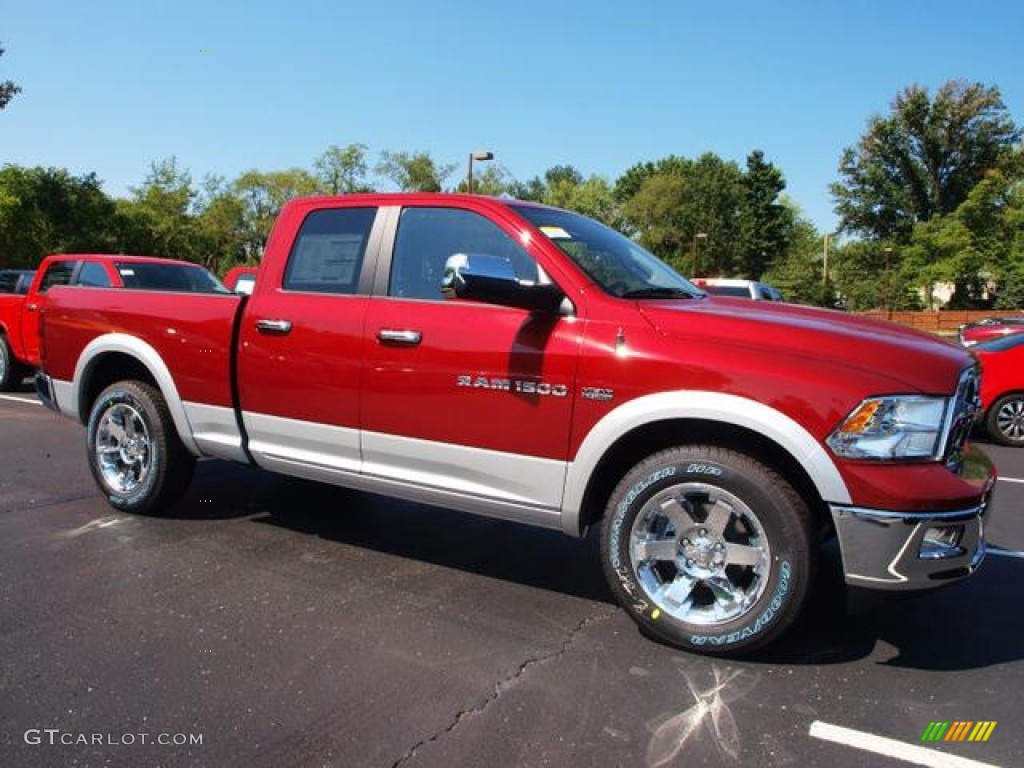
(124, 449)
(3, 362)
(700, 553)
(1010, 420)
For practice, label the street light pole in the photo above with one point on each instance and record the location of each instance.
(693, 251)
(824, 261)
(888, 307)
(478, 156)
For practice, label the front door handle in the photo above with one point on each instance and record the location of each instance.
(31, 307)
(408, 338)
(278, 327)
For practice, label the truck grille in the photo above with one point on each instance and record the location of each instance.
(961, 418)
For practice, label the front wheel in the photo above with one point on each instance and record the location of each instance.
(135, 454)
(1005, 420)
(708, 549)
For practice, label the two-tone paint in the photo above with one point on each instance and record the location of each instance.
(367, 391)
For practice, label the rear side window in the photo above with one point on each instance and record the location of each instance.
(328, 253)
(93, 275)
(58, 273)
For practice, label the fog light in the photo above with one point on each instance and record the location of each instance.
(942, 542)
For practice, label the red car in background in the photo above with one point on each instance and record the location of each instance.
(988, 329)
(241, 279)
(1002, 388)
(20, 311)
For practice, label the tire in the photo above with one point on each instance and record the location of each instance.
(708, 550)
(135, 454)
(11, 371)
(1005, 420)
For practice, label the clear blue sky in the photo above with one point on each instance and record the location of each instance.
(110, 86)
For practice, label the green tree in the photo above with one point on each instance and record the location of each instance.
(682, 199)
(414, 171)
(978, 247)
(221, 226)
(591, 197)
(922, 160)
(158, 218)
(8, 89)
(48, 210)
(262, 196)
(490, 179)
(799, 272)
(342, 171)
(766, 224)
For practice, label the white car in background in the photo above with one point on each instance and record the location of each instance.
(743, 289)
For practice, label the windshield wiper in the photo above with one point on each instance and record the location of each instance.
(653, 292)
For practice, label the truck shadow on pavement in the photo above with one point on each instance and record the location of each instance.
(967, 625)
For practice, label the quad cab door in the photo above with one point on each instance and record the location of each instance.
(473, 400)
(300, 347)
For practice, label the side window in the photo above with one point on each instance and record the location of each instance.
(58, 273)
(93, 275)
(328, 253)
(428, 236)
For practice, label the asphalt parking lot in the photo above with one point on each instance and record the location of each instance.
(289, 624)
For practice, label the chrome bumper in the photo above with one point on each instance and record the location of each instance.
(914, 550)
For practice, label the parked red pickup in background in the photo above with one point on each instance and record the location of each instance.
(20, 313)
(514, 360)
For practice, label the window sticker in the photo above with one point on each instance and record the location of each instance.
(556, 233)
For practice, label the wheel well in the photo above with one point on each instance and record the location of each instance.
(104, 371)
(1001, 395)
(643, 441)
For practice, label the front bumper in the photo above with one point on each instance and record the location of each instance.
(893, 550)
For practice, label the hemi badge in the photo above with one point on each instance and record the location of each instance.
(597, 393)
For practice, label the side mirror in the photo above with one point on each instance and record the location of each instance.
(492, 279)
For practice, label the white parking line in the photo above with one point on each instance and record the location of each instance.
(16, 399)
(1012, 480)
(891, 748)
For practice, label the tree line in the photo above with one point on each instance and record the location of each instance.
(932, 194)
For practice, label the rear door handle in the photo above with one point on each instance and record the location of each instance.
(278, 327)
(408, 338)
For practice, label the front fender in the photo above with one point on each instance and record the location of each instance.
(705, 406)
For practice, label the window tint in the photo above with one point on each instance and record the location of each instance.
(1001, 344)
(93, 275)
(15, 280)
(152, 276)
(729, 290)
(328, 253)
(428, 236)
(58, 273)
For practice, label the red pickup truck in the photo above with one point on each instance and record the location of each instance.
(20, 312)
(519, 361)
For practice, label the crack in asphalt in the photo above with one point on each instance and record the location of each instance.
(504, 685)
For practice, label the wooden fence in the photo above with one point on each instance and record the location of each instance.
(938, 321)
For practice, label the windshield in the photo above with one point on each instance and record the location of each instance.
(613, 261)
(153, 276)
(1001, 344)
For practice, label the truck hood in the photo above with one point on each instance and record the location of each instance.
(915, 361)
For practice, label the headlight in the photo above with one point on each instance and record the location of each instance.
(907, 427)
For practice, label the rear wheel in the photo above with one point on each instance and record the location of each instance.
(135, 454)
(11, 371)
(708, 549)
(1005, 420)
